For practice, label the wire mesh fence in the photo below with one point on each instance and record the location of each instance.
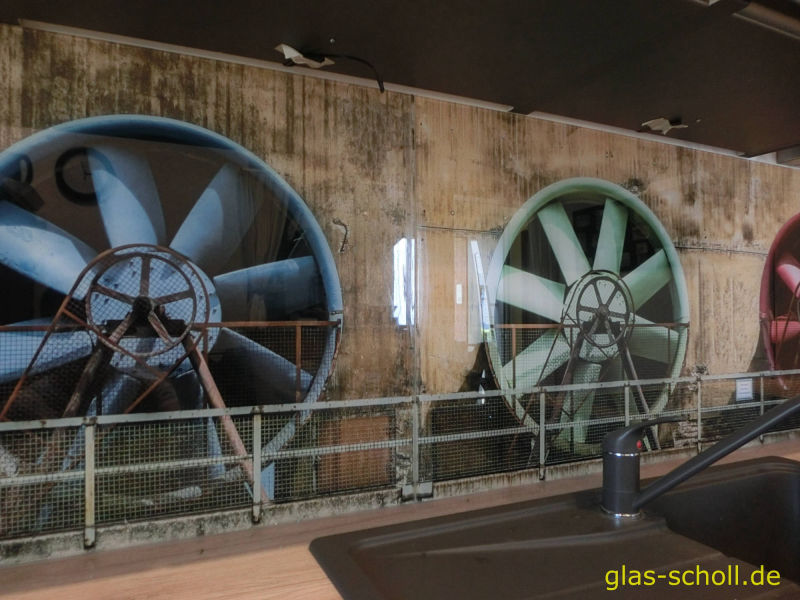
(337, 451)
(166, 468)
(99, 470)
(271, 362)
(40, 487)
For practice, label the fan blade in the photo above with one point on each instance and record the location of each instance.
(213, 450)
(608, 255)
(127, 197)
(649, 277)
(276, 443)
(272, 373)
(118, 393)
(561, 236)
(612, 370)
(40, 250)
(543, 356)
(17, 349)
(532, 293)
(219, 219)
(581, 402)
(268, 480)
(783, 330)
(284, 286)
(788, 269)
(653, 341)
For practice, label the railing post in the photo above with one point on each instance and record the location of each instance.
(298, 356)
(699, 413)
(514, 358)
(761, 401)
(89, 486)
(627, 404)
(542, 434)
(415, 420)
(256, 467)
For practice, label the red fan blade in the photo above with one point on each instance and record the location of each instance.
(782, 330)
(788, 269)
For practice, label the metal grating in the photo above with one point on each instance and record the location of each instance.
(88, 472)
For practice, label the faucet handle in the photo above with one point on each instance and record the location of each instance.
(629, 439)
(621, 467)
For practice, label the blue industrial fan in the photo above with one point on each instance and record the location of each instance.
(151, 238)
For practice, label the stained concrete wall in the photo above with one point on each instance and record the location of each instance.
(375, 168)
(475, 168)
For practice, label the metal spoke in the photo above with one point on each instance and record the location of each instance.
(607, 327)
(561, 236)
(158, 327)
(530, 292)
(600, 301)
(112, 293)
(169, 298)
(144, 277)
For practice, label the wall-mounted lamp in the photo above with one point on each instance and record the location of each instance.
(316, 60)
(662, 125)
(293, 57)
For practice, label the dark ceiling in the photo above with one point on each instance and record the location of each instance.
(733, 81)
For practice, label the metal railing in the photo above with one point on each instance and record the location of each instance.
(85, 473)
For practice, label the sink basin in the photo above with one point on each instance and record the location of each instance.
(750, 510)
(726, 519)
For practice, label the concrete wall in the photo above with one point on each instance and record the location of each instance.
(375, 168)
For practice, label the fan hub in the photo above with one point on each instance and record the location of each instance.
(148, 300)
(142, 306)
(598, 315)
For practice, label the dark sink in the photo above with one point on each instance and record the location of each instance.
(739, 516)
(750, 510)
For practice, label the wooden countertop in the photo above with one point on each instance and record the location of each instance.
(263, 562)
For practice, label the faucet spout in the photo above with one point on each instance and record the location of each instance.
(621, 494)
